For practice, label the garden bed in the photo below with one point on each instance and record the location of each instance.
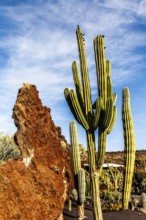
(119, 215)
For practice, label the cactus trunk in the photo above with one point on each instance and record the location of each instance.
(129, 147)
(94, 176)
(97, 211)
(101, 148)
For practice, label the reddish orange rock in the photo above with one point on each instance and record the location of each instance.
(34, 187)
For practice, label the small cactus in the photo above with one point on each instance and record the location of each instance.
(81, 185)
(76, 161)
(69, 205)
(143, 201)
(75, 195)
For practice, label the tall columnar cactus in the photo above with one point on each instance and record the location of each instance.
(109, 111)
(82, 185)
(76, 160)
(78, 171)
(81, 190)
(129, 147)
(101, 114)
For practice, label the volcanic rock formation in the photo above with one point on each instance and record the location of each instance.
(35, 186)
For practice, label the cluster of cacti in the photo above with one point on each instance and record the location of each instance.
(79, 192)
(111, 179)
(116, 175)
(129, 147)
(101, 114)
(8, 149)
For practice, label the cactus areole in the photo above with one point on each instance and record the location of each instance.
(100, 114)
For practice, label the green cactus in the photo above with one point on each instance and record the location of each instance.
(82, 185)
(109, 111)
(88, 185)
(129, 147)
(81, 189)
(143, 201)
(75, 195)
(79, 194)
(76, 161)
(69, 205)
(90, 115)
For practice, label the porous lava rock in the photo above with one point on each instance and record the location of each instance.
(34, 186)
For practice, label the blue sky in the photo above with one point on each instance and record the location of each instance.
(38, 45)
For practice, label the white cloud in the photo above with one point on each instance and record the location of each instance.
(142, 9)
(40, 45)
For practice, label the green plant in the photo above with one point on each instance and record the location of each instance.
(69, 205)
(105, 180)
(81, 190)
(75, 195)
(90, 115)
(88, 185)
(76, 160)
(143, 201)
(109, 111)
(78, 171)
(116, 175)
(129, 147)
(8, 149)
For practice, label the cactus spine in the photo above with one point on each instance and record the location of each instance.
(129, 146)
(101, 114)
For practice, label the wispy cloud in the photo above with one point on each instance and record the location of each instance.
(38, 45)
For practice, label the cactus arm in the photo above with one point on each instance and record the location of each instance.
(75, 107)
(78, 85)
(112, 122)
(101, 67)
(99, 106)
(108, 113)
(109, 81)
(109, 87)
(84, 72)
(129, 147)
(108, 67)
(69, 102)
(114, 96)
(101, 148)
(78, 110)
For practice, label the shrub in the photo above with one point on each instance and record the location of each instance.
(8, 149)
